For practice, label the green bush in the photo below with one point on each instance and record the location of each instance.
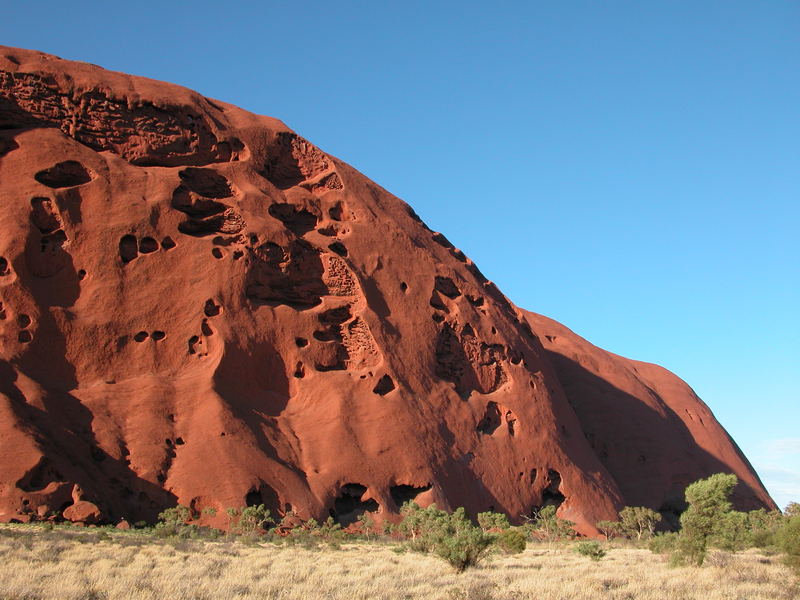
(638, 521)
(492, 520)
(788, 538)
(248, 519)
(663, 543)
(708, 505)
(547, 526)
(609, 528)
(511, 541)
(459, 542)
(451, 537)
(591, 549)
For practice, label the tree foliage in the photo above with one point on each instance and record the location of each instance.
(708, 501)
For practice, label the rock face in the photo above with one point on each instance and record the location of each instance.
(200, 306)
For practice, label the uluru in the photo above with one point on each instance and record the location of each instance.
(198, 306)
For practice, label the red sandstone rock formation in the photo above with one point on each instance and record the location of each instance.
(200, 306)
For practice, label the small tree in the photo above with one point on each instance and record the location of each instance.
(733, 531)
(638, 521)
(367, 525)
(792, 510)
(511, 541)
(492, 521)
(248, 519)
(708, 503)
(452, 537)
(591, 549)
(459, 542)
(788, 539)
(609, 528)
(549, 527)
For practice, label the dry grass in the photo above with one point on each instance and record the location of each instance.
(35, 564)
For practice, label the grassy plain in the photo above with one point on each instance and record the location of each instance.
(91, 564)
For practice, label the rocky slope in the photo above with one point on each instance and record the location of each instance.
(200, 306)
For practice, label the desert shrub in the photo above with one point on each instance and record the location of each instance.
(708, 503)
(663, 543)
(331, 533)
(609, 528)
(591, 549)
(419, 525)
(493, 521)
(511, 541)
(764, 526)
(459, 542)
(549, 527)
(733, 532)
(638, 521)
(366, 526)
(792, 510)
(788, 539)
(451, 537)
(248, 519)
(173, 521)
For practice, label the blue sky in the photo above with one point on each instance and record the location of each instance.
(631, 169)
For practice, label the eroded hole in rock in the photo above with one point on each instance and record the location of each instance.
(297, 220)
(551, 495)
(147, 245)
(211, 308)
(436, 301)
(447, 286)
(511, 421)
(671, 510)
(335, 316)
(491, 419)
(23, 321)
(338, 212)
(301, 342)
(299, 370)
(141, 336)
(348, 507)
(192, 343)
(128, 248)
(339, 248)
(179, 441)
(282, 168)
(25, 337)
(159, 335)
(206, 182)
(237, 254)
(437, 317)
(263, 494)
(168, 243)
(403, 287)
(292, 276)
(4, 270)
(515, 357)
(384, 386)
(64, 174)
(216, 253)
(205, 328)
(533, 476)
(403, 493)
(475, 300)
(82, 274)
(328, 335)
(37, 478)
(44, 215)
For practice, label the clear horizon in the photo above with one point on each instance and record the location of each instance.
(628, 169)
